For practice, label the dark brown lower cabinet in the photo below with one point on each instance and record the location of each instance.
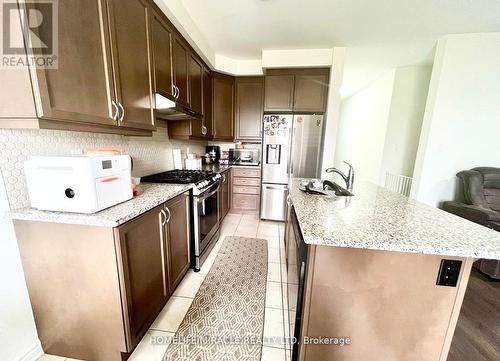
(102, 287)
(177, 239)
(141, 248)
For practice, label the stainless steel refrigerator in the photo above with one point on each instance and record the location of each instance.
(291, 147)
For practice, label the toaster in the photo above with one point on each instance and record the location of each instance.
(82, 184)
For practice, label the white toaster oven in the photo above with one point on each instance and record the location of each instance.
(82, 184)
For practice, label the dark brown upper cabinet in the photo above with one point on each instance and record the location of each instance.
(162, 37)
(279, 93)
(180, 66)
(132, 62)
(223, 107)
(249, 108)
(207, 103)
(196, 84)
(310, 93)
(79, 94)
(296, 90)
(103, 80)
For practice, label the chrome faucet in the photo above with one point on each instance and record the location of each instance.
(348, 179)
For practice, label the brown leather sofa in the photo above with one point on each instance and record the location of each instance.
(480, 188)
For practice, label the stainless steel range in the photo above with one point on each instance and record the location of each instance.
(205, 213)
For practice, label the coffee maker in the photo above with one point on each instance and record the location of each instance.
(216, 149)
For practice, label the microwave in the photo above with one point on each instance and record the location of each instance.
(81, 184)
(244, 156)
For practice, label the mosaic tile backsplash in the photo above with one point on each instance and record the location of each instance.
(150, 154)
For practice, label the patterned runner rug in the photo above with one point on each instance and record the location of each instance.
(226, 319)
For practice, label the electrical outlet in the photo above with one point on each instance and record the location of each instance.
(449, 273)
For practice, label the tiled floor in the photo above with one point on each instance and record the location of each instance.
(171, 316)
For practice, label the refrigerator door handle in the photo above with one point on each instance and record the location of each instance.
(280, 188)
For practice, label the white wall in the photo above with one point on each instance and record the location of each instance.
(409, 96)
(18, 336)
(333, 109)
(461, 127)
(363, 123)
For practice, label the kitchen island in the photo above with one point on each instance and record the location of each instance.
(387, 272)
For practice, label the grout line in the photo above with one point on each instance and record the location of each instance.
(191, 298)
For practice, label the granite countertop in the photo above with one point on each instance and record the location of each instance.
(152, 195)
(379, 219)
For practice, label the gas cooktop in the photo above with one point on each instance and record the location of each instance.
(201, 179)
(182, 176)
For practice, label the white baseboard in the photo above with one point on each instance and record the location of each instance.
(33, 353)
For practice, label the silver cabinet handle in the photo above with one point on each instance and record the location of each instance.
(169, 215)
(173, 90)
(204, 130)
(163, 217)
(288, 200)
(123, 112)
(223, 178)
(115, 107)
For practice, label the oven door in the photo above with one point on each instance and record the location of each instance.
(207, 222)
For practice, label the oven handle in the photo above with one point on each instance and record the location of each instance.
(205, 196)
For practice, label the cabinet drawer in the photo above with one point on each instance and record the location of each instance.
(247, 202)
(254, 182)
(246, 172)
(246, 190)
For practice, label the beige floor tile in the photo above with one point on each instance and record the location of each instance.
(246, 230)
(273, 354)
(273, 255)
(273, 328)
(47, 357)
(250, 217)
(273, 295)
(152, 347)
(205, 267)
(232, 218)
(172, 314)
(268, 229)
(274, 272)
(272, 242)
(227, 230)
(190, 285)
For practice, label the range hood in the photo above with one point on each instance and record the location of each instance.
(168, 109)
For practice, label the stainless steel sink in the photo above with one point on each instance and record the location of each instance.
(339, 190)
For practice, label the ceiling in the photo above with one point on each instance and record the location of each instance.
(378, 34)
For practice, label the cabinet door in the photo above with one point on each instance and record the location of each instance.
(162, 56)
(81, 88)
(225, 198)
(279, 93)
(141, 248)
(132, 61)
(195, 85)
(180, 69)
(223, 106)
(310, 93)
(178, 239)
(249, 108)
(207, 103)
